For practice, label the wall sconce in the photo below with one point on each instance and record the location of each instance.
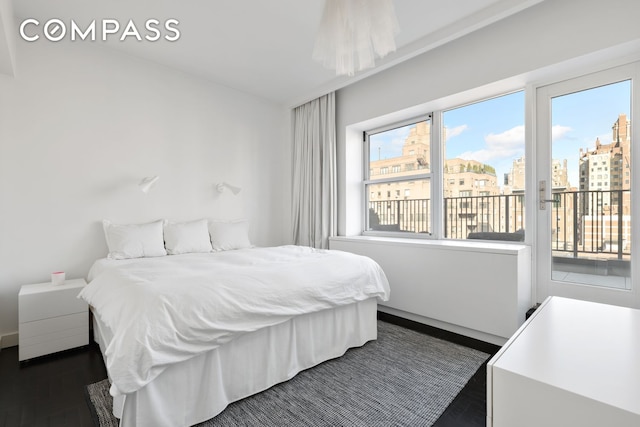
(148, 182)
(220, 187)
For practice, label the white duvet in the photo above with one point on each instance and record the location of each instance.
(168, 309)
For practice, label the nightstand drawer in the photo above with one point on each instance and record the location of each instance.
(51, 335)
(52, 346)
(39, 328)
(55, 336)
(57, 302)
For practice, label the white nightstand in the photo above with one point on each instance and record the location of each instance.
(51, 318)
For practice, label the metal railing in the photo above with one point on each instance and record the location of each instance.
(401, 215)
(586, 222)
(592, 222)
(497, 214)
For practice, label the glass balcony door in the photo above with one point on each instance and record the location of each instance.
(584, 151)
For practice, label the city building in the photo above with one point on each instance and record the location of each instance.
(605, 183)
(471, 192)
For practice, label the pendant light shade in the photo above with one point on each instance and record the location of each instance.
(353, 33)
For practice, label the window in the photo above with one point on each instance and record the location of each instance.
(403, 210)
(483, 141)
(480, 142)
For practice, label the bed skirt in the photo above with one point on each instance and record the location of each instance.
(198, 389)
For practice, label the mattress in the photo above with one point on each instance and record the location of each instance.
(199, 388)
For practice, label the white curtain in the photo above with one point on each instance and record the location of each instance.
(314, 172)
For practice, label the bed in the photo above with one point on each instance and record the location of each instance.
(185, 335)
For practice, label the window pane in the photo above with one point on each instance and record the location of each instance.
(484, 170)
(402, 151)
(400, 206)
(399, 193)
(591, 223)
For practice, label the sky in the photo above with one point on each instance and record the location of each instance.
(492, 131)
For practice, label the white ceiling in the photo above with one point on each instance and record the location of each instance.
(264, 47)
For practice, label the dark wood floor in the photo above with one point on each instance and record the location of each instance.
(49, 391)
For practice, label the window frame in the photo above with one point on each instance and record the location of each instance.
(367, 181)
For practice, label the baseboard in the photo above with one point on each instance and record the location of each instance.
(455, 329)
(9, 340)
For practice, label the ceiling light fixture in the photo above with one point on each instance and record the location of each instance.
(353, 32)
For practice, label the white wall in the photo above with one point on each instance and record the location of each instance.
(7, 38)
(80, 126)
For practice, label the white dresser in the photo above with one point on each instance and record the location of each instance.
(51, 318)
(573, 363)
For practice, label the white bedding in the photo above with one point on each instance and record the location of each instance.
(169, 309)
(198, 389)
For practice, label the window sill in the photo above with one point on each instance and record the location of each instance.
(453, 245)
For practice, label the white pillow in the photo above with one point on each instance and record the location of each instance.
(134, 240)
(229, 235)
(186, 237)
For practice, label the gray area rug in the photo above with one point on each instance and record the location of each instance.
(405, 378)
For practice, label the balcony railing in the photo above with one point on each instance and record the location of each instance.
(592, 222)
(482, 214)
(583, 222)
(401, 215)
